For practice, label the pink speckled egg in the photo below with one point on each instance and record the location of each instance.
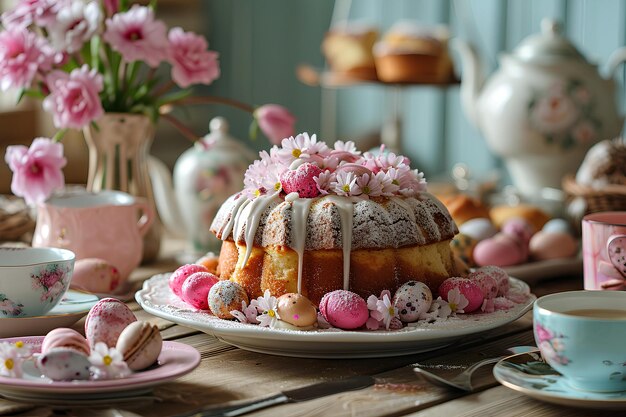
(412, 299)
(106, 320)
(499, 274)
(296, 309)
(468, 288)
(195, 289)
(344, 309)
(179, 276)
(487, 284)
(95, 275)
(226, 296)
(518, 227)
(500, 250)
(552, 245)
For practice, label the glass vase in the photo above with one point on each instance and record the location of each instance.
(119, 144)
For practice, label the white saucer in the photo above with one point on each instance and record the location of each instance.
(75, 305)
(156, 298)
(530, 375)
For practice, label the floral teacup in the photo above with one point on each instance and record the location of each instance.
(582, 335)
(33, 280)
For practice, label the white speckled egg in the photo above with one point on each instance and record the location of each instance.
(106, 320)
(64, 364)
(557, 225)
(95, 275)
(478, 229)
(412, 299)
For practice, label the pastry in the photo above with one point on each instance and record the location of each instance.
(463, 208)
(348, 50)
(533, 215)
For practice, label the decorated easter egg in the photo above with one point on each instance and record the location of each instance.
(463, 247)
(487, 284)
(64, 364)
(224, 297)
(478, 229)
(140, 344)
(500, 250)
(106, 320)
(518, 227)
(67, 338)
(195, 289)
(301, 180)
(468, 288)
(498, 274)
(412, 299)
(179, 276)
(296, 309)
(95, 275)
(552, 245)
(557, 225)
(344, 309)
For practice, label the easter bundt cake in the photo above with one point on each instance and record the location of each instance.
(313, 219)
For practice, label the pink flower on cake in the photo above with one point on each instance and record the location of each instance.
(267, 307)
(192, 62)
(73, 99)
(347, 147)
(36, 170)
(138, 36)
(370, 185)
(457, 301)
(345, 184)
(276, 122)
(22, 55)
(107, 363)
(27, 12)
(323, 181)
(300, 146)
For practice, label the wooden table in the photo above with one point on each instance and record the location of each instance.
(228, 374)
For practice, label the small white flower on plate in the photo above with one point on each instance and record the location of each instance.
(107, 363)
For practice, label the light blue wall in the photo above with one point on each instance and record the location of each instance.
(262, 42)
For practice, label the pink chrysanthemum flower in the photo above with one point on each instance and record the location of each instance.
(27, 12)
(74, 101)
(138, 36)
(370, 185)
(457, 301)
(345, 184)
(264, 174)
(74, 25)
(22, 54)
(192, 62)
(248, 313)
(301, 146)
(323, 181)
(389, 181)
(36, 170)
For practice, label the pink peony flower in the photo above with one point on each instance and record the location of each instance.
(73, 99)
(27, 12)
(191, 62)
(22, 54)
(138, 36)
(276, 122)
(75, 24)
(36, 170)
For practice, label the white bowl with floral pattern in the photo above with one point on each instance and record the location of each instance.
(33, 280)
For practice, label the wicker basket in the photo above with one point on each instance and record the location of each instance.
(612, 197)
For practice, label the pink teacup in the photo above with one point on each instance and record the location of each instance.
(604, 250)
(108, 225)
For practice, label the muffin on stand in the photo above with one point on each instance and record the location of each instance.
(348, 50)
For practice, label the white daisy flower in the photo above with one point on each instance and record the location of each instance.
(107, 363)
(457, 301)
(267, 307)
(10, 361)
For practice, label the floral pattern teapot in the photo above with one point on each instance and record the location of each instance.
(543, 108)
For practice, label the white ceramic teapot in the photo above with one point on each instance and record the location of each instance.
(543, 108)
(204, 177)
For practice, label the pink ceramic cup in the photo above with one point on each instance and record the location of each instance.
(109, 225)
(604, 250)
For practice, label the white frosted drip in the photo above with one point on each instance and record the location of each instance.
(300, 214)
(406, 206)
(228, 228)
(346, 212)
(239, 218)
(257, 207)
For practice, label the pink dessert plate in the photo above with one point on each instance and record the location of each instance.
(176, 359)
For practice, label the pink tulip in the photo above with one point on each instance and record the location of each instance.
(74, 101)
(36, 170)
(137, 36)
(275, 121)
(22, 54)
(191, 62)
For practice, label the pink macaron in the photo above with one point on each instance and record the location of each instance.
(66, 338)
(181, 274)
(344, 309)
